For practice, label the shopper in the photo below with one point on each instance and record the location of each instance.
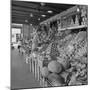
(19, 45)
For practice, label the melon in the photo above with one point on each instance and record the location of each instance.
(44, 72)
(55, 67)
(57, 83)
(56, 79)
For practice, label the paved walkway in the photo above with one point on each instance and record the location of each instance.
(20, 74)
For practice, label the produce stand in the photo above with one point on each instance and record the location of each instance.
(66, 45)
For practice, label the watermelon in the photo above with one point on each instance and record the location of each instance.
(55, 67)
(56, 79)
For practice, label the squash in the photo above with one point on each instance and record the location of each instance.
(55, 67)
(57, 83)
(56, 79)
(44, 72)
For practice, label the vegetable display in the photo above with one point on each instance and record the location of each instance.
(64, 54)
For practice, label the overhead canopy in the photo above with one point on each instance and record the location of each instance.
(35, 12)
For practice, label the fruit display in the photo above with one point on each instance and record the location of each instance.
(54, 67)
(54, 51)
(63, 54)
(64, 57)
(65, 63)
(70, 54)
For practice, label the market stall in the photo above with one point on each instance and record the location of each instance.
(59, 50)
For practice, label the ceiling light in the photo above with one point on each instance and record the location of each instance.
(31, 15)
(43, 15)
(50, 11)
(78, 9)
(31, 24)
(26, 20)
(39, 19)
(42, 4)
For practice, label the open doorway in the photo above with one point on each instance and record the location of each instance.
(15, 37)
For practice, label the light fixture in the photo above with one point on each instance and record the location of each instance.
(26, 20)
(43, 15)
(78, 9)
(42, 4)
(31, 24)
(31, 15)
(50, 11)
(38, 19)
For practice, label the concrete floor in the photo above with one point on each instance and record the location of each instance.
(20, 74)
